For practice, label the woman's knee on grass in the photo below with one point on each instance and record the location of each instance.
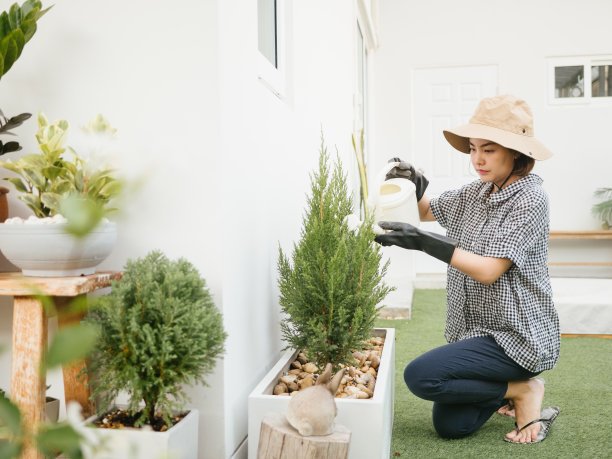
(420, 382)
(450, 430)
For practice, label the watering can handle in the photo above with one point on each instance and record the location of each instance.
(380, 179)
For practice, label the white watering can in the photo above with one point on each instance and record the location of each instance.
(394, 200)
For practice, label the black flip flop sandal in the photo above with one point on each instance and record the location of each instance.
(548, 415)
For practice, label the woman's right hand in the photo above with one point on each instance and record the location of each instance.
(407, 171)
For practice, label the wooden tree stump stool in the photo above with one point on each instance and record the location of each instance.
(279, 440)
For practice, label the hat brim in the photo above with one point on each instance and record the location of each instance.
(459, 138)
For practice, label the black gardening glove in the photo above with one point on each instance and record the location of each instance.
(407, 171)
(410, 237)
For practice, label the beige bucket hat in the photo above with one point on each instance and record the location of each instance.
(505, 120)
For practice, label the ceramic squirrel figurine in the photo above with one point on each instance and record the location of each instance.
(311, 411)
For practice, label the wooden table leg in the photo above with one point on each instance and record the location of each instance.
(74, 388)
(27, 381)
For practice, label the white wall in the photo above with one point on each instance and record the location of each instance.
(517, 37)
(269, 147)
(224, 162)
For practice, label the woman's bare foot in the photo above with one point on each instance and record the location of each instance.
(507, 410)
(527, 397)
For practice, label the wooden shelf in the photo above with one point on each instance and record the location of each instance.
(581, 234)
(16, 284)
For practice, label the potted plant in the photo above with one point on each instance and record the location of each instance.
(66, 191)
(329, 292)
(603, 209)
(17, 27)
(159, 330)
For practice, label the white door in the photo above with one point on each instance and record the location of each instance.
(445, 98)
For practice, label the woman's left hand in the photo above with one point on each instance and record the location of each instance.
(410, 237)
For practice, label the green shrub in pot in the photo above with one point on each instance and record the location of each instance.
(331, 286)
(159, 330)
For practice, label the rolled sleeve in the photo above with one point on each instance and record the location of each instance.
(446, 207)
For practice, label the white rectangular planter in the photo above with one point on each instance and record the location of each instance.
(178, 442)
(370, 421)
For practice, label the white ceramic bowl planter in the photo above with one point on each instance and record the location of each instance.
(370, 421)
(47, 250)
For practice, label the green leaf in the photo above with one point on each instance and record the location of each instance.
(52, 172)
(19, 41)
(14, 16)
(61, 188)
(17, 183)
(9, 147)
(52, 201)
(13, 122)
(11, 166)
(28, 27)
(33, 203)
(10, 416)
(59, 438)
(82, 212)
(5, 27)
(34, 176)
(11, 54)
(9, 450)
(71, 344)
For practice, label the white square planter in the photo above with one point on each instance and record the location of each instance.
(178, 442)
(370, 421)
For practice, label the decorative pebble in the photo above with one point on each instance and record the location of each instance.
(310, 368)
(288, 378)
(357, 383)
(280, 388)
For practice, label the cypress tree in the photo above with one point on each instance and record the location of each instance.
(159, 330)
(331, 287)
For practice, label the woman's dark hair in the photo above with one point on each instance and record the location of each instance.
(522, 164)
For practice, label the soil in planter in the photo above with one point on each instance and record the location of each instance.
(119, 419)
(359, 379)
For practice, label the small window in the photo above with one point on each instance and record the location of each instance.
(267, 30)
(583, 80)
(271, 37)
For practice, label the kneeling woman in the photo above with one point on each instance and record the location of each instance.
(501, 323)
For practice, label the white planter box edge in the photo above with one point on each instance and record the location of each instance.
(178, 442)
(370, 421)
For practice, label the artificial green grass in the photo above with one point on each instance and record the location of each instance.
(580, 384)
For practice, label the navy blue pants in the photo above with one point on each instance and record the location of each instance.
(466, 380)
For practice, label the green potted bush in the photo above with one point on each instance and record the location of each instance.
(603, 209)
(159, 330)
(60, 187)
(330, 290)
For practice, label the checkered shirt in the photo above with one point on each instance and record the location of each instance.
(517, 310)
